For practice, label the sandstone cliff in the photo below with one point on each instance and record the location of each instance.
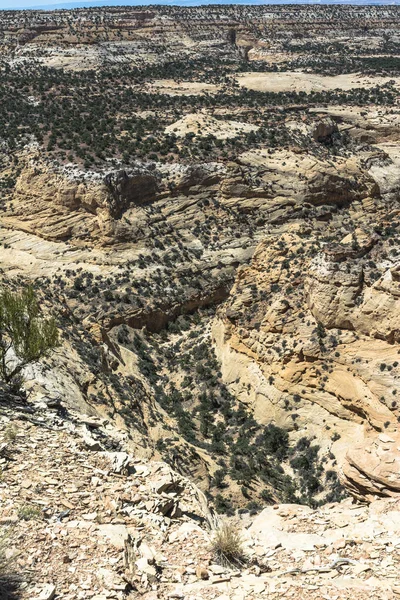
(309, 339)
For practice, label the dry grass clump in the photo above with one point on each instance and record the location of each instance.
(8, 577)
(28, 512)
(227, 545)
(10, 433)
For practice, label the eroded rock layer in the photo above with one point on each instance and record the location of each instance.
(309, 338)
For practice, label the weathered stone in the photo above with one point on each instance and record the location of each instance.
(116, 534)
(120, 461)
(202, 572)
(48, 592)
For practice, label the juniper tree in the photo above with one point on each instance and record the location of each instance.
(25, 335)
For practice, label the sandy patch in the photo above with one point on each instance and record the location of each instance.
(183, 88)
(276, 58)
(307, 82)
(79, 58)
(71, 63)
(201, 124)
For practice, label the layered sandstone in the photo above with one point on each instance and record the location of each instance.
(309, 339)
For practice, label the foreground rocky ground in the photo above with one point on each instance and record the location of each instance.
(85, 523)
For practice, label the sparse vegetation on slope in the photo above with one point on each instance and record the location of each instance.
(9, 579)
(254, 465)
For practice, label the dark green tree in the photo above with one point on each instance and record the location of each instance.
(25, 336)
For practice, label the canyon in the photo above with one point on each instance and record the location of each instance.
(206, 199)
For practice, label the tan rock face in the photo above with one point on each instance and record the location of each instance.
(56, 207)
(206, 218)
(309, 340)
(324, 129)
(303, 178)
(373, 467)
(110, 209)
(338, 298)
(310, 329)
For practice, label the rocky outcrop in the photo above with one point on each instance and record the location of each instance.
(58, 209)
(323, 129)
(371, 468)
(84, 209)
(338, 298)
(294, 337)
(303, 179)
(309, 340)
(114, 208)
(199, 220)
(129, 188)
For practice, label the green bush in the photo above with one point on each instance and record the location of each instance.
(25, 336)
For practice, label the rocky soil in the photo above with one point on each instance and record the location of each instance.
(88, 523)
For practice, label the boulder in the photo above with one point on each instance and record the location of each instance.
(323, 129)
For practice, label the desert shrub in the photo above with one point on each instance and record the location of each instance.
(227, 545)
(218, 478)
(223, 505)
(275, 440)
(25, 336)
(10, 433)
(28, 512)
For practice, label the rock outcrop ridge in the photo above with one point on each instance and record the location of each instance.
(309, 339)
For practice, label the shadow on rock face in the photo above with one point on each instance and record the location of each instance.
(9, 588)
(126, 189)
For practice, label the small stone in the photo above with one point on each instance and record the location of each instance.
(167, 485)
(146, 552)
(177, 593)
(360, 568)
(216, 569)
(339, 544)
(48, 592)
(144, 567)
(220, 579)
(201, 572)
(396, 590)
(385, 438)
(91, 444)
(119, 461)
(10, 520)
(89, 516)
(116, 534)
(51, 481)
